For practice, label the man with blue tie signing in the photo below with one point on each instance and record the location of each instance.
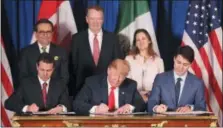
(178, 90)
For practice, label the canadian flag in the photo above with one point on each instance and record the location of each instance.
(59, 12)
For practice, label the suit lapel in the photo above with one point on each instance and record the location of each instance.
(36, 49)
(104, 90)
(35, 55)
(186, 90)
(38, 92)
(172, 88)
(51, 50)
(87, 45)
(121, 95)
(103, 48)
(50, 93)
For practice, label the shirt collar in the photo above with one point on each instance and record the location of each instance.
(47, 47)
(92, 34)
(183, 77)
(41, 81)
(142, 58)
(109, 85)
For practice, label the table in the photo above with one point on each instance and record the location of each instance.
(115, 121)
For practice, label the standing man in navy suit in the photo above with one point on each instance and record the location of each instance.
(110, 93)
(178, 90)
(93, 49)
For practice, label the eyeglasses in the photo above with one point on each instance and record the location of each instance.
(45, 32)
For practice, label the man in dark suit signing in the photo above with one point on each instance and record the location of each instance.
(93, 49)
(42, 92)
(110, 93)
(29, 55)
(178, 90)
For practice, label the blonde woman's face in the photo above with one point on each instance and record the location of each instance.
(142, 42)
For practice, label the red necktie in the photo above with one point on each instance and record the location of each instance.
(111, 100)
(44, 93)
(96, 50)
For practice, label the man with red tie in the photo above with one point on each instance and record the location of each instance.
(93, 49)
(40, 93)
(110, 93)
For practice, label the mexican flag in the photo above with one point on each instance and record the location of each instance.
(135, 14)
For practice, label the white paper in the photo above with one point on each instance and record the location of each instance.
(46, 113)
(186, 113)
(40, 113)
(112, 113)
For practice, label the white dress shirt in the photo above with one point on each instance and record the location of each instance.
(41, 50)
(91, 36)
(47, 88)
(116, 94)
(116, 91)
(144, 72)
(182, 82)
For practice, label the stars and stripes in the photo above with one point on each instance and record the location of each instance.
(204, 34)
(6, 87)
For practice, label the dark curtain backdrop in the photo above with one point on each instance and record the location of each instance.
(19, 17)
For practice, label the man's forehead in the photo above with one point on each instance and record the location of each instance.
(44, 26)
(43, 64)
(118, 71)
(181, 59)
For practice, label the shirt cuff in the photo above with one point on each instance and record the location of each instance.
(63, 107)
(191, 107)
(93, 109)
(24, 109)
(154, 108)
(131, 108)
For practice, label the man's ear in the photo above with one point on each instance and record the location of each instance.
(35, 33)
(37, 66)
(86, 18)
(174, 58)
(108, 71)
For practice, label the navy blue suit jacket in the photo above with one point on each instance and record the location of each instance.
(30, 92)
(95, 92)
(163, 92)
(82, 59)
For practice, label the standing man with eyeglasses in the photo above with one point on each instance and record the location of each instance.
(29, 55)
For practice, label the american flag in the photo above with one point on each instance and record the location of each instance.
(204, 34)
(6, 87)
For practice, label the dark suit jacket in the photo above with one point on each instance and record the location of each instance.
(95, 91)
(163, 92)
(30, 92)
(82, 59)
(30, 54)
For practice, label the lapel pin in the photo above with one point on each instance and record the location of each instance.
(56, 58)
(123, 93)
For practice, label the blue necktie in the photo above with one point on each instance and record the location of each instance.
(177, 90)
